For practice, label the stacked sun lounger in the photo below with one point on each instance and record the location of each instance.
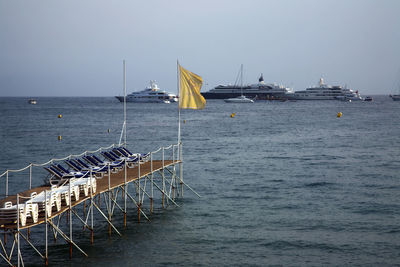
(65, 193)
(8, 213)
(84, 185)
(47, 200)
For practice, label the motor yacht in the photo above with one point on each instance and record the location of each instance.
(151, 94)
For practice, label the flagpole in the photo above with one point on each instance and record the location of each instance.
(179, 102)
(179, 127)
(124, 103)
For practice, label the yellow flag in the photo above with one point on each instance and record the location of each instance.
(190, 85)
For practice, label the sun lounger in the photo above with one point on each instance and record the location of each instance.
(131, 161)
(73, 173)
(115, 166)
(124, 151)
(96, 171)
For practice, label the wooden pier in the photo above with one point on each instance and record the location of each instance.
(115, 191)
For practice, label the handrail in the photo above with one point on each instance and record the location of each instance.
(20, 170)
(56, 159)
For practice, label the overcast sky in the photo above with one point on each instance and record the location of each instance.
(76, 48)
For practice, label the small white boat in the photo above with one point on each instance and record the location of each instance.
(239, 99)
(32, 101)
(395, 97)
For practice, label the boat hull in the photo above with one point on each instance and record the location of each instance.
(395, 97)
(141, 100)
(259, 96)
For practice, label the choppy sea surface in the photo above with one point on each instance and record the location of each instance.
(282, 183)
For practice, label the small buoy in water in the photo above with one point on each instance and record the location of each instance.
(59, 116)
(233, 115)
(339, 114)
(59, 137)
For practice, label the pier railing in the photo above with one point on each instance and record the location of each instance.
(169, 152)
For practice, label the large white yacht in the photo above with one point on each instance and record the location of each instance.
(151, 94)
(259, 90)
(326, 92)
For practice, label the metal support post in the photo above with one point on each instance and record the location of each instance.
(70, 221)
(18, 219)
(46, 236)
(181, 167)
(151, 184)
(125, 177)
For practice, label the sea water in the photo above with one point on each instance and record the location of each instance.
(281, 183)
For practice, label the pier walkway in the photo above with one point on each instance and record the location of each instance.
(97, 200)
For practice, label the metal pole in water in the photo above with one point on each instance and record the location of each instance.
(70, 221)
(7, 183)
(45, 218)
(125, 192)
(181, 167)
(18, 218)
(163, 179)
(151, 185)
(139, 199)
(109, 200)
(30, 176)
(91, 208)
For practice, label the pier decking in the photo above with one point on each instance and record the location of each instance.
(158, 173)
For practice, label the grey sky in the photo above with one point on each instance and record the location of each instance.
(76, 48)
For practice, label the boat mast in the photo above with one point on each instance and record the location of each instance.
(241, 79)
(123, 131)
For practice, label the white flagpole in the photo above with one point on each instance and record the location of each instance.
(179, 128)
(124, 103)
(179, 102)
